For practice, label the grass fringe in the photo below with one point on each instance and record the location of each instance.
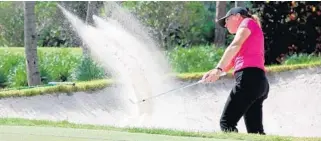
(171, 132)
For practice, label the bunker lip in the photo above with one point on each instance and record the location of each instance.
(293, 94)
(95, 85)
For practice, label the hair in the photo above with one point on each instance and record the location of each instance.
(254, 17)
(257, 19)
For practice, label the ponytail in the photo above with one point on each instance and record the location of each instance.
(257, 19)
(254, 17)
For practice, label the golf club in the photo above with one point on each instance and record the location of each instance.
(186, 86)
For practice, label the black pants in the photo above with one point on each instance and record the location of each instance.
(246, 99)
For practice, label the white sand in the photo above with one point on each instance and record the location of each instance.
(293, 107)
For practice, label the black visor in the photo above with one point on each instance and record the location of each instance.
(233, 11)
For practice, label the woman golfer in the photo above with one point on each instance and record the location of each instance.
(246, 55)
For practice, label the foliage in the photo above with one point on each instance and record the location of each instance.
(59, 64)
(11, 23)
(18, 75)
(67, 64)
(204, 58)
(52, 32)
(290, 27)
(9, 64)
(52, 28)
(302, 58)
(87, 70)
(194, 59)
(55, 65)
(174, 23)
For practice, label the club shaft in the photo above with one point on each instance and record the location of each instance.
(189, 85)
(171, 90)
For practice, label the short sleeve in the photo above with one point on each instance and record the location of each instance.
(247, 23)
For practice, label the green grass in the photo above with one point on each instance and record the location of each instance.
(21, 50)
(32, 133)
(216, 135)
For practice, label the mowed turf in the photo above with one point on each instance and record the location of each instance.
(33, 133)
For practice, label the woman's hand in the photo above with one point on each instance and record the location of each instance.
(211, 76)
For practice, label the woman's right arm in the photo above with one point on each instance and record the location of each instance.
(229, 66)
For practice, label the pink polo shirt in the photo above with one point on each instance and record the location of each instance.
(251, 53)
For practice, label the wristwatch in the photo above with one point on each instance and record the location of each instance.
(219, 68)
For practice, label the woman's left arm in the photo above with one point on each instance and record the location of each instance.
(241, 35)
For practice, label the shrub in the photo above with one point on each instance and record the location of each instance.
(54, 65)
(66, 64)
(194, 59)
(17, 75)
(302, 58)
(87, 70)
(58, 65)
(9, 61)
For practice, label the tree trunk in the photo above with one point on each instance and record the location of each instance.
(239, 4)
(89, 21)
(220, 33)
(92, 9)
(30, 41)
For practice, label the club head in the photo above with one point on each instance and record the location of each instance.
(136, 102)
(131, 101)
